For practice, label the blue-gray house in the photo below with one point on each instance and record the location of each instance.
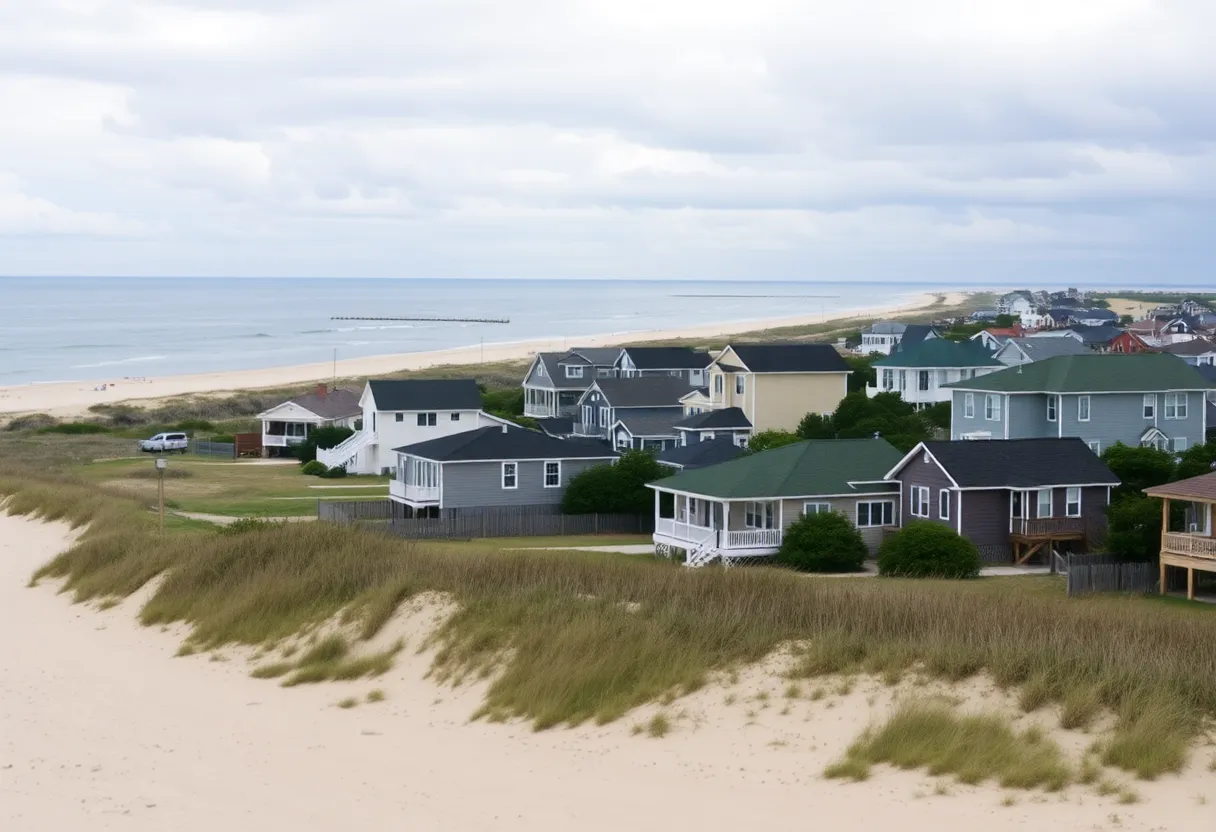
(1140, 399)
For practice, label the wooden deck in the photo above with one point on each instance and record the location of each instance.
(1029, 537)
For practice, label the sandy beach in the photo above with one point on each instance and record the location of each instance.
(66, 399)
(102, 728)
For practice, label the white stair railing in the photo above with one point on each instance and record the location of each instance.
(342, 454)
(703, 551)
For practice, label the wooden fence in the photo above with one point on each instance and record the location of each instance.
(1104, 573)
(466, 524)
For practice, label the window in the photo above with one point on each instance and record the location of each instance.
(455, 417)
(875, 514)
(574, 372)
(587, 411)
(903, 380)
(1095, 446)
(510, 475)
(1175, 405)
(888, 379)
(992, 408)
(604, 414)
(740, 385)
(816, 508)
(943, 504)
(1082, 408)
(553, 475)
(968, 405)
(718, 384)
(1150, 405)
(540, 369)
(1072, 507)
(401, 418)
(741, 440)
(1051, 408)
(1043, 508)
(922, 380)
(1179, 443)
(606, 372)
(426, 420)
(758, 516)
(920, 501)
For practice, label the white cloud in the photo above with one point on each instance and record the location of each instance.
(610, 137)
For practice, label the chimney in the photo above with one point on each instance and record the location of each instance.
(504, 428)
(322, 392)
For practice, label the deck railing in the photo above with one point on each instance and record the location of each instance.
(413, 493)
(753, 539)
(1048, 526)
(741, 539)
(1191, 545)
(679, 530)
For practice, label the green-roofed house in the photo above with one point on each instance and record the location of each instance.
(740, 509)
(920, 372)
(1151, 399)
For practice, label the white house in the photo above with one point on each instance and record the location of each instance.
(918, 374)
(884, 337)
(288, 424)
(398, 412)
(1015, 304)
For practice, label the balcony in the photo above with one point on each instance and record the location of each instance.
(1057, 528)
(692, 534)
(414, 494)
(1189, 545)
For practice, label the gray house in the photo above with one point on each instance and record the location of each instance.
(1026, 350)
(557, 380)
(488, 468)
(633, 412)
(678, 362)
(1137, 399)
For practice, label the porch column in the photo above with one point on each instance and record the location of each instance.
(656, 505)
(1190, 584)
(1165, 527)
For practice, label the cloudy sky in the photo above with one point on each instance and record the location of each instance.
(957, 140)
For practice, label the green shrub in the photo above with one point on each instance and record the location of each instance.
(75, 428)
(823, 542)
(766, 440)
(1134, 528)
(34, 421)
(327, 437)
(1138, 468)
(928, 550)
(194, 425)
(509, 402)
(224, 438)
(314, 468)
(615, 489)
(335, 473)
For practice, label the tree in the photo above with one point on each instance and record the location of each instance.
(327, 437)
(506, 404)
(615, 489)
(938, 415)
(768, 439)
(823, 542)
(863, 374)
(816, 426)
(1133, 530)
(1196, 460)
(928, 550)
(1126, 320)
(1004, 320)
(1138, 468)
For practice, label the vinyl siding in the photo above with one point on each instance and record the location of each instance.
(1028, 418)
(919, 473)
(780, 401)
(479, 484)
(1119, 417)
(534, 379)
(986, 523)
(792, 509)
(960, 424)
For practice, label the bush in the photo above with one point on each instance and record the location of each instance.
(1138, 468)
(222, 438)
(823, 542)
(1134, 528)
(34, 421)
(248, 524)
(328, 437)
(766, 440)
(75, 428)
(335, 473)
(508, 402)
(192, 425)
(928, 550)
(615, 489)
(313, 468)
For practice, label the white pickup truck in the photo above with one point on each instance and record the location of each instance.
(165, 442)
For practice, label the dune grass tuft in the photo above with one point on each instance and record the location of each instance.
(973, 748)
(658, 727)
(376, 695)
(348, 703)
(272, 671)
(1150, 741)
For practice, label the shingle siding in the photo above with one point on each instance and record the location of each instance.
(479, 484)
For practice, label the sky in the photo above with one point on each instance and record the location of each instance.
(954, 140)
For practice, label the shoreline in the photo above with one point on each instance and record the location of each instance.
(72, 398)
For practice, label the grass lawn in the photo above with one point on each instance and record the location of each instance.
(551, 542)
(234, 489)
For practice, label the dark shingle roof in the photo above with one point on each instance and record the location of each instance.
(335, 404)
(1092, 373)
(557, 426)
(1096, 334)
(494, 444)
(727, 417)
(804, 469)
(650, 425)
(646, 391)
(668, 358)
(915, 334)
(940, 352)
(1020, 463)
(426, 394)
(599, 356)
(790, 358)
(1039, 348)
(701, 454)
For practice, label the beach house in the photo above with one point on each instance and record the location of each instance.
(288, 424)
(920, 373)
(1014, 500)
(556, 381)
(1143, 399)
(490, 467)
(406, 411)
(677, 362)
(632, 412)
(1025, 350)
(885, 336)
(740, 509)
(1196, 351)
(776, 385)
(1188, 542)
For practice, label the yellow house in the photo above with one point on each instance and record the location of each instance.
(775, 385)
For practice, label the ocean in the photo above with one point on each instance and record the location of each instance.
(74, 329)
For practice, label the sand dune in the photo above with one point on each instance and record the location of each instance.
(102, 728)
(66, 399)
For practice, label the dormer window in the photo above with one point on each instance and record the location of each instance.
(574, 371)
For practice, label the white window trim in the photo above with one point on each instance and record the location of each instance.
(943, 504)
(1068, 504)
(870, 511)
(1150, 406)
(968, 405)
(1180, 405)
(740, 385)
(573, 371)
(604, 414)
(1038, 503)
(1095, 446)
(994, 410)
(756, 511)
(545, 470)
(1089, 408)
(1052, 409)
(514, 476)
(820, 508)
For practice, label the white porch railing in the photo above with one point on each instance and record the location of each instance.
(278, 440)
(753, 539)
(677, 530)
(413, 493)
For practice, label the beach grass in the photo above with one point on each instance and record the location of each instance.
(568, 637)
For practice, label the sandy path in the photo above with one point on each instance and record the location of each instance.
(100, 728)
(74, 398)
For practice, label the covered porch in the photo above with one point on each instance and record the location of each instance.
(278, 435)
(1188, 542)
(706, 527)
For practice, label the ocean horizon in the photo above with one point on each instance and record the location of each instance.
(98, 328)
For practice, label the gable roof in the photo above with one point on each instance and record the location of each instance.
(1092, 373)
(335, 404)
(1103, 334)
(701, 454)
(667, 358)
(941, 352)
(1095, 314)
(1015, 463)
(727, 417)
(1037, 349)
(599, 356)
(556, 425)
(887, 328)
(804, 469)
(494, 444)
(916, 333)
(790, 358)
(649, 425)
(1196, 346)
(425, 394)
(645, 391)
